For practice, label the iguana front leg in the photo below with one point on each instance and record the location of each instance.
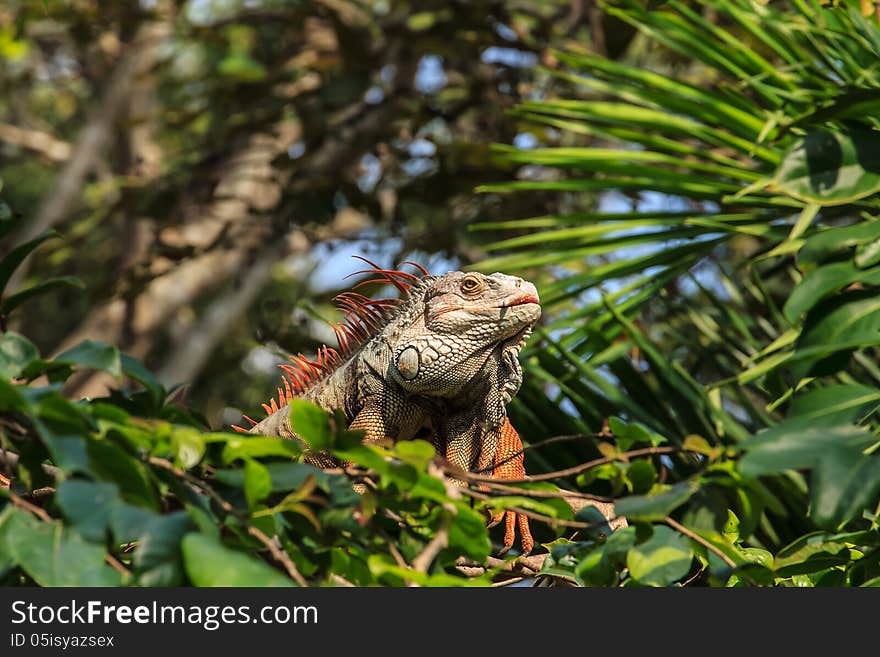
(497, 452)
(509, 465)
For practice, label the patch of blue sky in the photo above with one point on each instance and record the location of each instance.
(505, 32)
(370, 172)
(525, 141)
(333, 260)
(511, 57)
(430, 76)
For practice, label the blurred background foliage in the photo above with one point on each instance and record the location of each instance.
(213, 164)
(691, 185)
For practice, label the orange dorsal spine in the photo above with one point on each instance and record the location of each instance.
(364, 317)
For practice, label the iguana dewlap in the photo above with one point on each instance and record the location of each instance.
(441, 360)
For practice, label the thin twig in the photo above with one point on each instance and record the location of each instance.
(116, 565)
(339, 580)
(561, 493)
(395, 553)
(677, 526)
(278, 554)
(550, 520)
(32, 508)
(510, 580)
(426, 557)
(458, 473)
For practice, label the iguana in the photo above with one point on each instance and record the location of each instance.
(439, 361)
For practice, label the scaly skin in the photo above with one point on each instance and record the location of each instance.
(443, 361)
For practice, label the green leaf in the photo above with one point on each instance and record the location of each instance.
(12, 302)
(661, 560)
(629, 433)
(825, 242)
(54, 555)
(843, 403)
(641, 476)
(284, 476)
(10, 262)
(135, 370)
(242, 68)
(830, 167)
(188, 446)
(16, 351)
(416, 452)
(157, 559)
(88, 505)
(845, 322)
(656, 506)
(256, 446)
(110, 462)
(811, 553)
(257, 482)
(311, 423)
(468, 533)
(821, 282)
(846, 482)
(209, 563)
(93, 355)
(796, 444)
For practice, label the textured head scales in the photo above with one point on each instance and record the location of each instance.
(465, 319)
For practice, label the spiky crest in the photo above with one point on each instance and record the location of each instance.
(364, 318)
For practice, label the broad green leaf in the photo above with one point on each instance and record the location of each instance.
(468, 533)
(157, 557)
(7, 559)
(257, 482)
(417, 452)
(311, 423)
(110, 462)
(284, 476)
(627, 434)
(382, 566)
(11, 399)
(819, 246)
(846, 482)
(656, 506)
(796, 444)
(134, 369)
(843, 403)
(831, 168)
(88, 506)
(845, 322)
(16, 351)
(210, 563)
(93, 355)
(641, 476)
(256, 446)
(811, 553)
(188, 446)
(821, 282)
(661, 560)
(54, 555)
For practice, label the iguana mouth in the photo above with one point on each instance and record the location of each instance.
(521, 301)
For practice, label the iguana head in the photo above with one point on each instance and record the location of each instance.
(484, 308)
(466, 318)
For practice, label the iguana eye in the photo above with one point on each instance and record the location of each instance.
(471, 285)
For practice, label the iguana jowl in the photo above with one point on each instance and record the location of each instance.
(440, 361)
